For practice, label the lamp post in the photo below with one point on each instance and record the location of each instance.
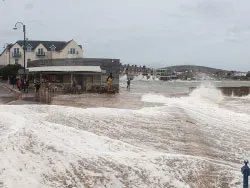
(17, 26)
(7, 45)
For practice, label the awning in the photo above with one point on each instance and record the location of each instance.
(66, 69)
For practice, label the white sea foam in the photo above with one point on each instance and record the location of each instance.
(123, 78)
(141, 77)
(47, 146)
(174, 145)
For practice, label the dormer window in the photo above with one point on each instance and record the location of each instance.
(16, 50)
(72, 51)
(40, 51)
(29, 48)
(52, 48)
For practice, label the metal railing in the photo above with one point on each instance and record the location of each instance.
(39, 54)
(16, 54)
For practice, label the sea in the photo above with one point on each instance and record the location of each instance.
(157, 134)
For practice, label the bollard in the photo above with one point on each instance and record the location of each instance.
(246, 172)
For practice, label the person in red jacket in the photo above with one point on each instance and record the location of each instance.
(19, 84)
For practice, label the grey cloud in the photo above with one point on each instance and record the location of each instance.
(29, 6)
(214, 8)
(239, 29)
(142, 31)
(6, 33)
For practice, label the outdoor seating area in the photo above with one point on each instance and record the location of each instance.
(62, 88)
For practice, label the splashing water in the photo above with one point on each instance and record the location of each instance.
(123, 78)
(207, 92)
(141, 77)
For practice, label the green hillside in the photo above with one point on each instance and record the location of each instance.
(194, 68)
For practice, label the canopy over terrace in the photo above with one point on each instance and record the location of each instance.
(95, 69)
(80, 75)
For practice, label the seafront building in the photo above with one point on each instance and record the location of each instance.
(88, 74)
(39, 50)
(61, 64)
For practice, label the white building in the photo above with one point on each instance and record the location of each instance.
(35, 50)
(239, 74)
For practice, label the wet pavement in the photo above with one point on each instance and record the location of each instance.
(11, 96)
(6, 95)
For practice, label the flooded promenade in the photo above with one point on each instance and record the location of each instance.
(157, 134)
(6, 95)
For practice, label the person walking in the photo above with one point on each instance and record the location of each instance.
(27, 84)
(37, 86)
(128, 84)
(14, 82)
(24, 85)
(19, 84)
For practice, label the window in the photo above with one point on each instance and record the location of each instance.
(29, 49)
(40, 51)
(16, 62)
(16, 50)
(72, 51)
(52, 48)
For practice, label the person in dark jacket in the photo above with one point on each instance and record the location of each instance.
(37, 86)
(128, 84)
(27, 85)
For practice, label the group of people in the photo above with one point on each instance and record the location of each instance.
(23, 84)
(20, 83)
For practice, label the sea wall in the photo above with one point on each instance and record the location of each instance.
(229, 91)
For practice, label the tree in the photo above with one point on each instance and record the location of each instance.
(9, 70)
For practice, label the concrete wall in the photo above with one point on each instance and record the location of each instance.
(109, 65)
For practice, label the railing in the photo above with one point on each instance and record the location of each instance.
(39, 54)
(16, 54)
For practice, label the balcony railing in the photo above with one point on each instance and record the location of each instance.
(16, 54)
(40, 54)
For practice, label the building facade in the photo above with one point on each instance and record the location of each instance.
(39, 50)
(239, 74)
(86, 72)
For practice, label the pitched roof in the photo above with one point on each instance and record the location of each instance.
(9, 46)
(47, 44)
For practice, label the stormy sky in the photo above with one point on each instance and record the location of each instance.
(156, 33)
